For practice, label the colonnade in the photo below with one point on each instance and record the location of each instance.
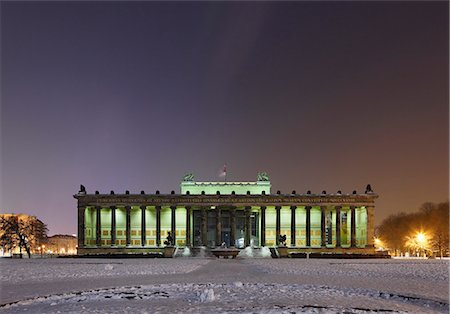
(218, 228)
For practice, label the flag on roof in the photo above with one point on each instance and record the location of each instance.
(223, 173)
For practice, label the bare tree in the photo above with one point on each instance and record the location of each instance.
(438, 223)
(21, 231)
(432, 219)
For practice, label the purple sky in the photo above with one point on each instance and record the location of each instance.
(130, 96)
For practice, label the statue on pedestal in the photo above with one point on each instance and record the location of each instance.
(188, 177)
(262, 176)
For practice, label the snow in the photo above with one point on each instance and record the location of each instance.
(435, 270)
(206, 285)
(207, 295)
(49, 269)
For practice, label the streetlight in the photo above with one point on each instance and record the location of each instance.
(422, 240)
(379, 245)
(418, 242)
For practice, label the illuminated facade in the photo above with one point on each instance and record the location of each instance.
(235, 214)
(61, 244)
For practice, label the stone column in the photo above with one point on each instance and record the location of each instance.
(248, 226)
(308, 226)
(128, 224)
(113, 225)
(173, 224)
(323, 239)
(233, 226)
(158, 225)
(338, 226)
(204, 226)
(188, 226)
(370, 226)
(278, 224)
(143, 229)
(263, 225)
(293, 225)
(218, 226)
(98, 225)
(352, 227)
(81, 226)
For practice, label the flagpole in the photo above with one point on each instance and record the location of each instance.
(225, 170)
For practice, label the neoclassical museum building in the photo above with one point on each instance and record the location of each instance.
(231, 214)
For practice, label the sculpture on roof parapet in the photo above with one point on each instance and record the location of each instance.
(262, 176)
(188, 177)
(369, 189)
(82, 189)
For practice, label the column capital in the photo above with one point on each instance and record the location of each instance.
(143, 207)
(263, 207)
(293, 207)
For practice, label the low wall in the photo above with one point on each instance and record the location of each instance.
(119, 251)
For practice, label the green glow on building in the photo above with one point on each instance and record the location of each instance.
(249, 215)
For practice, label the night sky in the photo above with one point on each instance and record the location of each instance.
(131, 96)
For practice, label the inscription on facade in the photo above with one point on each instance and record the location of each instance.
(229, 200)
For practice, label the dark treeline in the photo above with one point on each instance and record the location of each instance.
(431, 219)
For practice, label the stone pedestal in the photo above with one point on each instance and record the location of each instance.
(169, 251)
(283, 251)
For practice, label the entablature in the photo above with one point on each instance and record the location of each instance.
(225, 200)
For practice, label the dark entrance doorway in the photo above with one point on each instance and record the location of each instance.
(226, 232)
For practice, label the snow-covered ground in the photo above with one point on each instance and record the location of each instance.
(210, 286)
(20, 271)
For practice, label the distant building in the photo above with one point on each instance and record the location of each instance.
(62, 244)
(238, 214)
